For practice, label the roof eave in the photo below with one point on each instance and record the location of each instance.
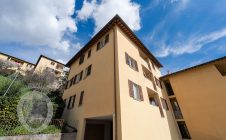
(114, 21)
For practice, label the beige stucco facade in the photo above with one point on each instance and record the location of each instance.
(98, 88)
(200, 93)
(106, 93)
(45, 63)
(140, 120)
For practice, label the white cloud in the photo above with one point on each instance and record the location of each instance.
(193, 44)
(77, 46)
(37, 22)
(87, 9)
(106, 9)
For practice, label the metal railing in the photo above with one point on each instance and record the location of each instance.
(178, 114)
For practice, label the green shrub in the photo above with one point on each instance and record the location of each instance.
(8, 111)
(16, 88)
(2, 132)
(51, 129)
(20, 130)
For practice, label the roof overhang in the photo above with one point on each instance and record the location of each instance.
(115, 21)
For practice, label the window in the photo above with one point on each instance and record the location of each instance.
(176, 108)
(81, 73)
(106, 39)
(89, 53)
(88, 70)
(75, 78)
(71, 81)
(81, 60)
(52, 63)
(135, 91)
(68, 84)
(147, 73)
(169, 88)
(153, 100)
(102, 43)
(131, 62)
(78, 77)
(71, 102)
(81, 98)
(58, 66)
(164, 104)
(183, 130)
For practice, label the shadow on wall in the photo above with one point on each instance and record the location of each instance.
(174, 132)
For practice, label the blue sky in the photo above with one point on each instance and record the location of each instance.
(180, 33)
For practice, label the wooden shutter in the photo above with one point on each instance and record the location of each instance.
(81, 75)
(106, 38)
(130, 88)
(155, 88)
(73, 103)
(71, 81)
(81, 60)
(141, 93)
(135, 64)
(81, 98)
(89, 53)
(160, 106)
(98, 46)
(69, 102)
(74, 81)
(127, 58)
(164, 104)
(89, 70)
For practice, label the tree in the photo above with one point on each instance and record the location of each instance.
(7, 68)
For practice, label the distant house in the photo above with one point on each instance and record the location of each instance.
(43, 63)
(17, 63)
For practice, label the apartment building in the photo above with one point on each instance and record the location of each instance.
(113, 90)
(46, 63)
(197, 96)
(19, 63)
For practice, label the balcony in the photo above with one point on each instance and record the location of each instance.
(178, 114)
